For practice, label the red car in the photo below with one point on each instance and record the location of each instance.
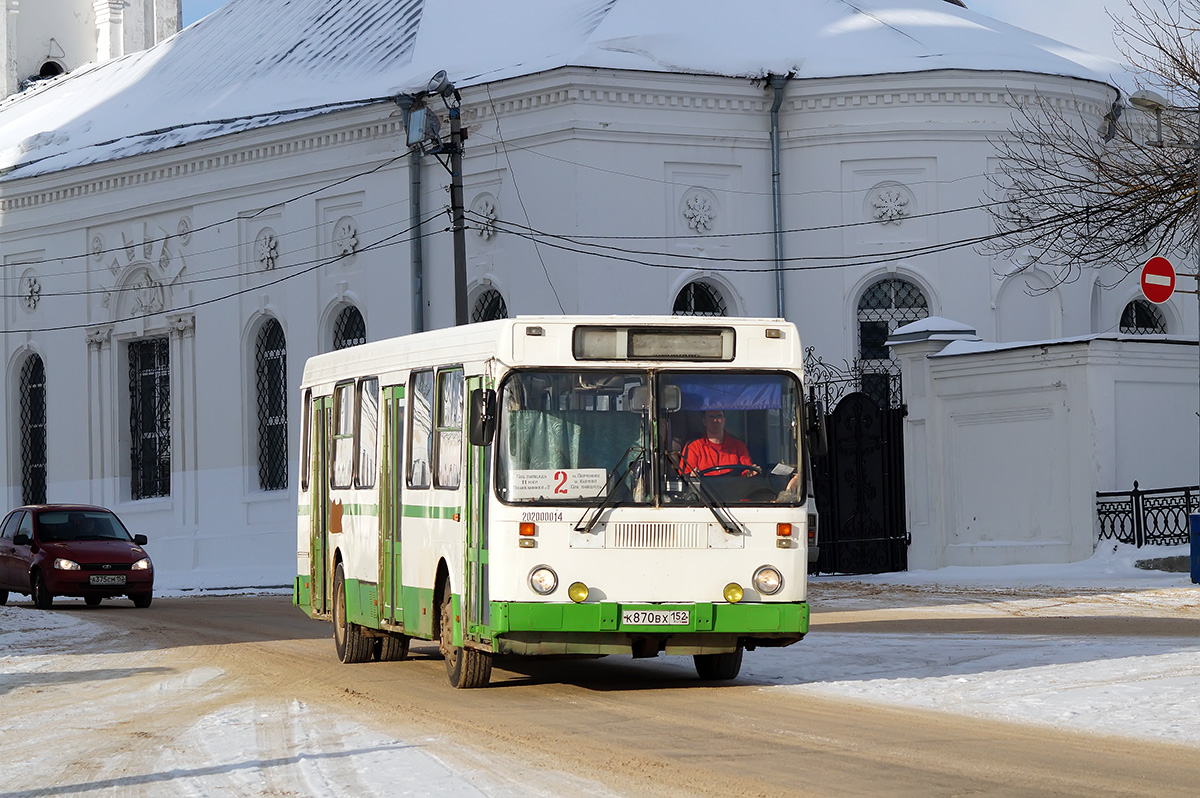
(49, 550)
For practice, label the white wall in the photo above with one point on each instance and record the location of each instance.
(1006, 447)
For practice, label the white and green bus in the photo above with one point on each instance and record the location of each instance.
(558, 485)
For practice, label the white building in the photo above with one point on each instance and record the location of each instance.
(45, 38)
(181, 228)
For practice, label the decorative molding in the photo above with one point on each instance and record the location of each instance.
(98, 247)
(182, 325)
(148, 294)
(890, 203)
(98, 337)
(184, 230)
(486, 214)
(345, 236)
(700, 211)
(31, 292)
(236, 159)
(266, 249)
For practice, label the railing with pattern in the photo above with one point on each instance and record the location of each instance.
(1157, 517)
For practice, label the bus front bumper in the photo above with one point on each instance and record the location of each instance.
(643, 629)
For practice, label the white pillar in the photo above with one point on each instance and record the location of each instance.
(923, 449)
(110, 28)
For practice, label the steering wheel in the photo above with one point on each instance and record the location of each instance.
(739, 468)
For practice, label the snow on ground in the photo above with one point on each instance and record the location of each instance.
(1141, 686)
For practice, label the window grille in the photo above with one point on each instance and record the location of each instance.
(1140, 317)
(33, 431)
(886, 305)
(700, 299)
(150, 418)
(271, 384)
(349, 329)
(489, 306)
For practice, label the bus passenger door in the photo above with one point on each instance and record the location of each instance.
(318, 546)
(476, 613)
(391, 511)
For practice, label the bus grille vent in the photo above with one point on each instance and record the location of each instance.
(657, 536)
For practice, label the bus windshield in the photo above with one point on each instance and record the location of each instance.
(638, 437)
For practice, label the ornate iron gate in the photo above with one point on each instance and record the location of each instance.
(859, 484)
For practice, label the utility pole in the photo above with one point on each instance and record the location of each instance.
(424, 137)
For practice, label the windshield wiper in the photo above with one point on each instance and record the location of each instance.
(714, 505)
(606, 499)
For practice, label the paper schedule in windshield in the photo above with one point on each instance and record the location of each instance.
(559, 483)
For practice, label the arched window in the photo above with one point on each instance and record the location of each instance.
(489, 306)
(270, 363)
(889, 303)
(349, 329)
(1140, 317)
(33, 431)
(700, 299)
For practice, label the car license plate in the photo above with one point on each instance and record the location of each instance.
(656, 617)
(107, 579)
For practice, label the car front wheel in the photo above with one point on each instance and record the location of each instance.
(3, 597)
(141, 600)
(41, 593)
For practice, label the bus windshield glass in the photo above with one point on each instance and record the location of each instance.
(638, 437)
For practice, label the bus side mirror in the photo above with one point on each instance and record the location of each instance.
(818, 438)
(481, 425)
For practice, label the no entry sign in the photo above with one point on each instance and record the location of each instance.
(1158, 280)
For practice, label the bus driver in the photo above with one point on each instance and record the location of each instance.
(715, 448)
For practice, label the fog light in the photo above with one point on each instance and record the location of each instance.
(733, 592)
(578, 592)
(543, 580)
(768, 580)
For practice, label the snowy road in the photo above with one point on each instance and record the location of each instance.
(907, 686)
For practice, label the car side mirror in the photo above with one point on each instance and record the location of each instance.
(481, 424)
(818, 437)
(141, 540)
(21, 539)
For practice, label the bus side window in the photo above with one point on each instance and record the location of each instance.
(368, 432)
(306, 421)
(449, 428)
(420, 435)
(342, 471)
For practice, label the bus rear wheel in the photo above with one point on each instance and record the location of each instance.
(351, 644)
(391, 648)
(717, 667)
(466, 667)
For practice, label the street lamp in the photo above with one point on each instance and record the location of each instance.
(1155, 103)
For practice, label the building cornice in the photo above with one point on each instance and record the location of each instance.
(733, 97)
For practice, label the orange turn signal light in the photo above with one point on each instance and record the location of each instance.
(527, 529)
(783, 530)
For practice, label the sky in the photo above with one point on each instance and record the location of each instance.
(1139, 687)
(1082, 23)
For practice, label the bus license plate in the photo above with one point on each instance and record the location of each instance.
(655, 617)
(107, 579)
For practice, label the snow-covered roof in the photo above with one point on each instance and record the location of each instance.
(258, 62)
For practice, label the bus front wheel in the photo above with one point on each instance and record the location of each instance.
(466, 667)
(351, 644)
(715, 667)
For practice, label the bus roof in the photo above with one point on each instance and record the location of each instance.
(546, 341)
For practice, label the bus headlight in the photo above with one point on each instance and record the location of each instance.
(733, 592)
(543, 580)
(768, 581)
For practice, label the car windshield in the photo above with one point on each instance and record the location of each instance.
(606, 438)
(60, 525)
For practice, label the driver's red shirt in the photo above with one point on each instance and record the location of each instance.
(703, 453)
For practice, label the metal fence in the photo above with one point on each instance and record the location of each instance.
(1156, 517)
